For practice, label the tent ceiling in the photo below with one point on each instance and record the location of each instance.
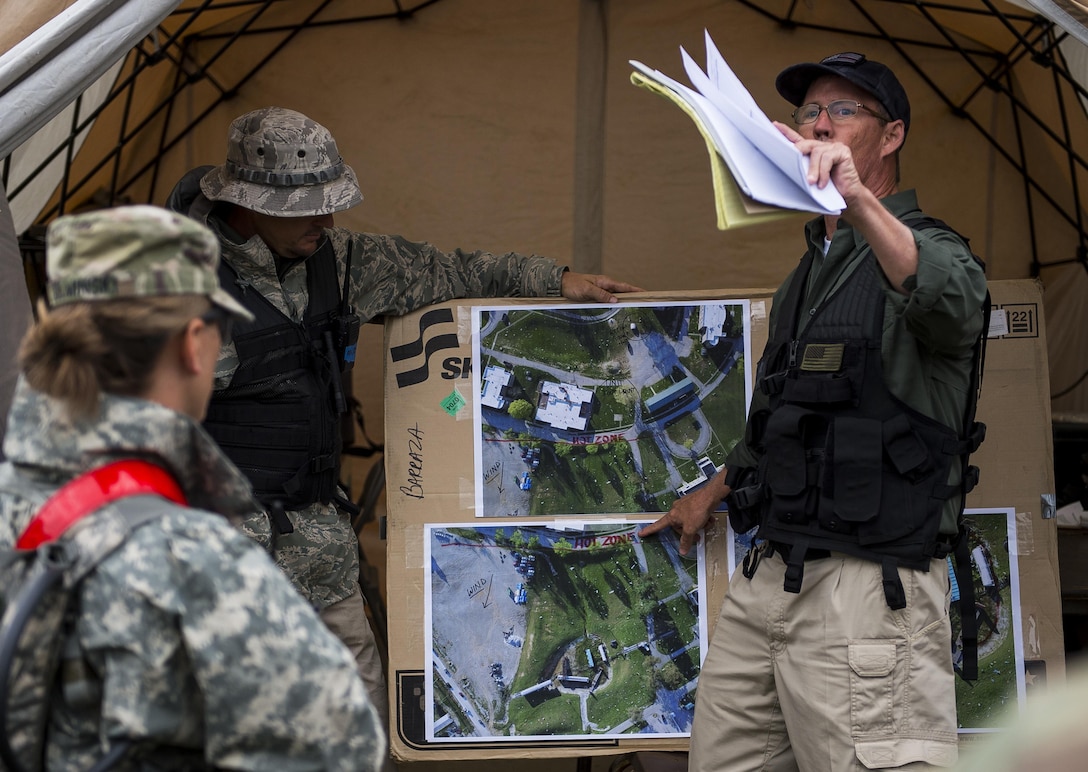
(990, 73)
(1007, 49)
(50, 68)
(162, 68)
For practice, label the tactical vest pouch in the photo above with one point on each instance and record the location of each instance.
(855, 468)
(744, 498)
(912, 512)
(756, 429)
(787, 464)
(905, 449)
(744, 508)
(819, 390)
(827, 373)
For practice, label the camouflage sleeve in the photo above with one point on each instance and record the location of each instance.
(14, 515)
(391, 275)
(200, 634)
(320, 557)
(225, 366)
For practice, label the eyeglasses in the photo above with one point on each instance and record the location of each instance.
(221, 319)
(839, 110)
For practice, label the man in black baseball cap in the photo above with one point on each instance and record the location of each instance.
(874, 77)
(833, 649)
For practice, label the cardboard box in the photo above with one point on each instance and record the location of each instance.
(429, 441)
(1017, 467)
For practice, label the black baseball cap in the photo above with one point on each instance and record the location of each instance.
(793, 82)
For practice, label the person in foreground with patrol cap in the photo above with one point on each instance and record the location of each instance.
(833, 648)
(188, 643)
(277, 406)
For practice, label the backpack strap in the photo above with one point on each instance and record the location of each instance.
(92, 491)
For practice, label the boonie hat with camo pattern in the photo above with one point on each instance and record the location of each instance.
(284, 164)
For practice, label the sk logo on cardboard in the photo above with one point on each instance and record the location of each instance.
(424, 345)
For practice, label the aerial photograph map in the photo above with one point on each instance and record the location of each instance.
(549, 632)
(605, 409)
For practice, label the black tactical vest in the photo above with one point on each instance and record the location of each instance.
(278, 421)
(845, 465)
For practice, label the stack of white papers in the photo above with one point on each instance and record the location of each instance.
(765, 166)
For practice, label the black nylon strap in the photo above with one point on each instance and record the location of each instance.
(795, 567)
(893, 585)
(285, 179)
(968, 621)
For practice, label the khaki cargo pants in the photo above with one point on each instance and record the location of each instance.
(831, 679)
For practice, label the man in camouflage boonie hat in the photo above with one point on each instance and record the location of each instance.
(311, 284)
(281, 163)
(133, 251)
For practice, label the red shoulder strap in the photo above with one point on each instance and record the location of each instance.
(92, 491)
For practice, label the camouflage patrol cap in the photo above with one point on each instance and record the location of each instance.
(130, 252)
(281, 163)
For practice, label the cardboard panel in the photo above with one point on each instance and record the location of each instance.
(1017, 466)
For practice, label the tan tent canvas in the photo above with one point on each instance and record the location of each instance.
(515, 127)
(495, 101)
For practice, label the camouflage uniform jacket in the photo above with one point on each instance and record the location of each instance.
(189, 632)
(389, 276)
